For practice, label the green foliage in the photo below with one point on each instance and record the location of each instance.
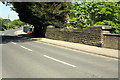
(17, 22)
(8, 24)
(87, 14)
(115, 26)
(42, 13)
(1, 19)
(106, 11)
(6, 21)
(78, 15)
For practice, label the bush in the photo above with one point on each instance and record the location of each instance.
(115, 26)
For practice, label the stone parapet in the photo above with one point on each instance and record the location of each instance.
(99, 36)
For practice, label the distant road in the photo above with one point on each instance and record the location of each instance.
(28, 59)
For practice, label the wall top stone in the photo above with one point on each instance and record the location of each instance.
(103, 27)
(117, 35)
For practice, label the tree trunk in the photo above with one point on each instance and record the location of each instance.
(44, 30)
(39, 31)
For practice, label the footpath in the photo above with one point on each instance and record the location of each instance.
(77, 46)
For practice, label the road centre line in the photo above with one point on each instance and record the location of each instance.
(59, 61)
(13, 42)
(25, 48)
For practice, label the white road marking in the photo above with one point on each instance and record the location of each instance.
(25, 48)
(13, 42)
(59, 61)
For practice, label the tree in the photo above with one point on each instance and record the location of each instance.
(1, 24)
(42, 14)
(79, 15)
(87, 14)
(4, 23)
(107, 13)
(8, 24)
(18, 22)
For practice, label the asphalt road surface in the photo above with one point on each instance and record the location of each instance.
(30, 59)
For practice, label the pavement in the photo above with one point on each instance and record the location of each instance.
(112, 53)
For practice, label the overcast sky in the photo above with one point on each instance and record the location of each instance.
(5, 11)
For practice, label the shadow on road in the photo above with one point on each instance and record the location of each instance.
(4, 39)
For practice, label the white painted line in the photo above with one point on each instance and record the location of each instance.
(59, 61)
(13, 42)
(25, 48)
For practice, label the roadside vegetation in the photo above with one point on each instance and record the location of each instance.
(42, 14)
(87, 14)
(68, 15)
(7, 24)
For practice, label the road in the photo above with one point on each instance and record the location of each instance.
(31, 59)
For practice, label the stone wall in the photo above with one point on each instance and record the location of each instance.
(111, 41)
(96, 36)
(91, 36)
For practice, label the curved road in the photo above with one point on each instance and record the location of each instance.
(31, 59)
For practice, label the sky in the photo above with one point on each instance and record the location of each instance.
(5, 11)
